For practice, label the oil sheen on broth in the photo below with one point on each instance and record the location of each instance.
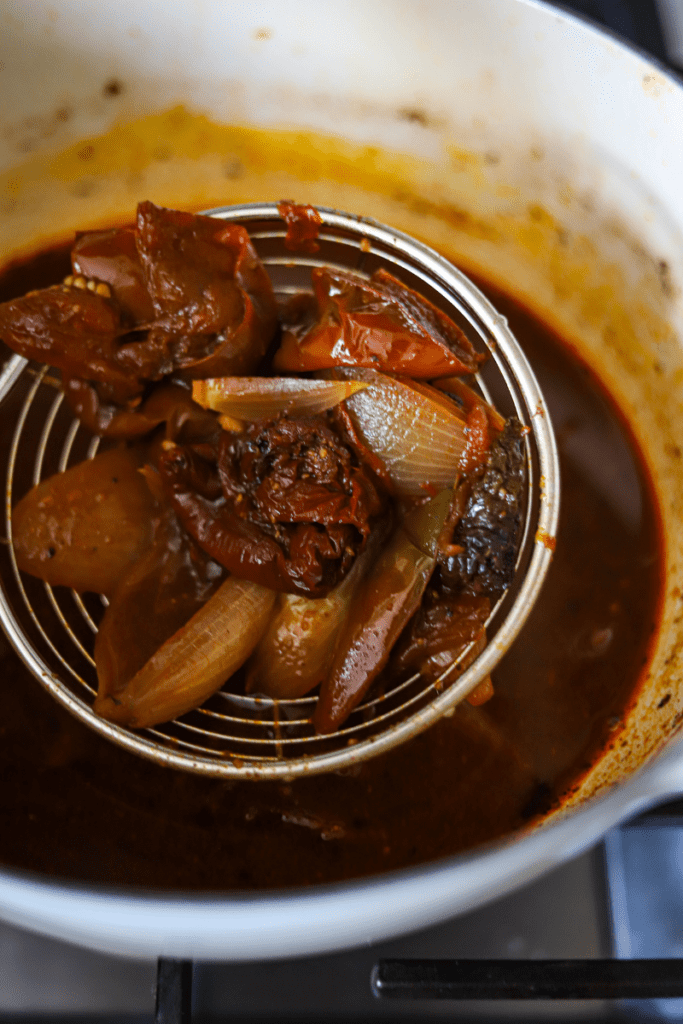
(75, 806)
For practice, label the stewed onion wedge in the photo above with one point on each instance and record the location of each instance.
(85, 527)
(163, 589)
(419, 434)
(296, 651)
(197, 660)
(259, 398)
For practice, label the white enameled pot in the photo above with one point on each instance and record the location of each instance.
(516, 138)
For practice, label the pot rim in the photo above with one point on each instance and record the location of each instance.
(568, 14)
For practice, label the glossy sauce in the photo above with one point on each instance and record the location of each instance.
(76, 806)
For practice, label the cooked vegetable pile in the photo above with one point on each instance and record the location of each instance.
(288, 495)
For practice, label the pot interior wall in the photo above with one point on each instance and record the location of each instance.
(560, 203)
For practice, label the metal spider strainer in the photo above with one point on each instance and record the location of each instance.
(235, 736)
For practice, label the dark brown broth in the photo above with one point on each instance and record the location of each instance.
(76, 806)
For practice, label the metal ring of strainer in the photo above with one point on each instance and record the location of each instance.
(247, 737)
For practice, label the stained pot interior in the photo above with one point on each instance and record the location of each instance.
(437, 118)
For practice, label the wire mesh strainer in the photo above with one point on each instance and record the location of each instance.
(249, 737)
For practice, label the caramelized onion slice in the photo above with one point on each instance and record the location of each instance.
(258, 398)
(419, 434)
(197, 660)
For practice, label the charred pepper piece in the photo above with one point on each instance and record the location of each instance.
(488, 529)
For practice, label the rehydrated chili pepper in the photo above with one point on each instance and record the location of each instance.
(295, 506)
(439, 633)
(379, 324)
(181, 294)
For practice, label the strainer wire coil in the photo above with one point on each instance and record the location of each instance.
(239, 736)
